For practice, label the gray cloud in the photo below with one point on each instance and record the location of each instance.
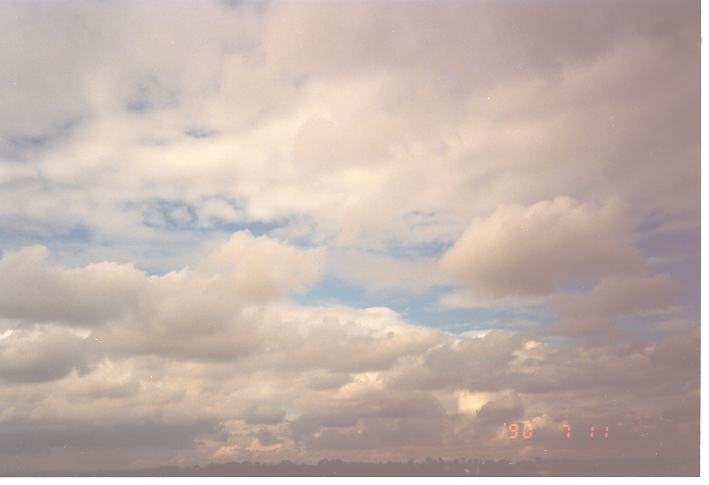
(87, 435)
(41, 354)
(598, 311)
(502, 410)
(264, 414)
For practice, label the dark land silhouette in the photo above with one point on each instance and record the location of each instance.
(428, 467)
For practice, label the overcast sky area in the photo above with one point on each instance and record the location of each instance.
(360, 230)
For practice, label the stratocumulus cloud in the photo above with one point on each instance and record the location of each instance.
(356, 230)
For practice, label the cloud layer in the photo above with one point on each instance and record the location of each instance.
(359, 230)
(196, 365)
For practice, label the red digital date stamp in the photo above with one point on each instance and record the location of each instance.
(526, 431)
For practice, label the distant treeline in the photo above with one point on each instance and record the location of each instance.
(428, 467)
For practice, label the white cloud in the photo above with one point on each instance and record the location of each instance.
(260, 269)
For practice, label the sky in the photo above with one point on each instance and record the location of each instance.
(347, 229)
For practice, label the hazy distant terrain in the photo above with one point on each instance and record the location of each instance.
(429, 467)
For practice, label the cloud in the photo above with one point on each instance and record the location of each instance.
(34, 289)
(121, 435)
(403, 147)
(260, 268)
(679, 350)
(534, 250)
(351, 135)
(504, 409)
(597, 311)
(188, 313)
(578, 260)
(40, 354)
(264, 414)
(474, 363)
(256, 378)
(317, 338)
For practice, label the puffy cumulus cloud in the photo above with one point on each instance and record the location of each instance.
(534, 250)
(317, 382)
(203, 313)
(577, 260)
(476, 363)
(34, 289)
(374, 338)
(260, 268)
(484, 367)
(553, 387)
